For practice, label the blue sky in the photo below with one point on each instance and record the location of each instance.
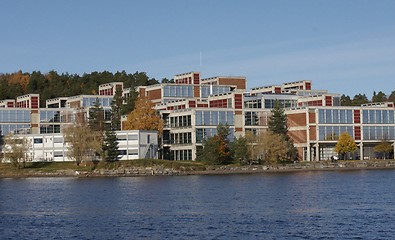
(345, 46)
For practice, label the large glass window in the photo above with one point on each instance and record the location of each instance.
(332, 133)
(378, 116)
(178, 91)
(335, 116)
(15, 116)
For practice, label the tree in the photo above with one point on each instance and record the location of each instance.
(345, 100)
(216, 149)
(272, 147)
(359, 99)
(278, 125)
(110, 146)
(384, 148)
(144, 117)
(379, 97)
(83, 143)
(278, 120)
(116, 106)
(96, 117)
(16, 150)
(345, 144)
(240, 150)
(391, 97)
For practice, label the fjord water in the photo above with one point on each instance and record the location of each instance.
(299, 205)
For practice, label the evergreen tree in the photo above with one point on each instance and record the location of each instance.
(110, 146)
(116, 105)
(359, 99)
(379, 97)
(278, 125)
(240, 151)
(345, 100)
(278, 120)
(391, 97)
(96, 117)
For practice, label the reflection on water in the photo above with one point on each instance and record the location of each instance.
(305, 205)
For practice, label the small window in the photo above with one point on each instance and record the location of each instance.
(148, 138)
(38, 140)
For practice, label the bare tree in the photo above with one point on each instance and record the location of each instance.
(16, 150)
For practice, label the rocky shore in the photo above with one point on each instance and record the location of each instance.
(190, 170)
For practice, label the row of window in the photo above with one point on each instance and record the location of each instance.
(90, 101)
(378, 132)
(49, 129)
(15, 116)
(378, 116)
(181, 121)
(208, 90)
(256, 118)
(214, 118)
(331, 133)
(178, 91)
(181, 138)
(335, 116)
(205, 133)
(285, 103)
(14, 129)
(181, 154)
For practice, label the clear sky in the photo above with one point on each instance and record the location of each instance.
(345, 46)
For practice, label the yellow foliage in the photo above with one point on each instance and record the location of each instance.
(144, 117)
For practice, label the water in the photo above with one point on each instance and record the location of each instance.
(300, 205)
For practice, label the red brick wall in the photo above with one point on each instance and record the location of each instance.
(240, 83)
(154, 94)
(296, 120)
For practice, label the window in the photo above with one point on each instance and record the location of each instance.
(38, 140)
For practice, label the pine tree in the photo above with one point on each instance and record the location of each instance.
(96, 117)
(278, 120)
(110, 146)
(116, 105)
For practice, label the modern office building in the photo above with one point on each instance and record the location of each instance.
(193, 107)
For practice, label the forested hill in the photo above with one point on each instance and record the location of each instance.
(52, 85)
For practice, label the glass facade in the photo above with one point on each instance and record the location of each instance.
(90, 101)
(14, 129)
(335, 116)
(378, 116)
(180, 121)
(332, 133)
(205, 133)
(178, 91)
(49, 129)
(285, 103)
(205, 90)
(378, 132)
(213, 118)
(14, 116)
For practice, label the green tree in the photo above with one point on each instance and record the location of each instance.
(96, 117)
(391, 97)
(239, 148)
(16, 150)
(110, 146)
(216, 149)
(384, 148)
(278, 125)
(116, 106)
(379, 97)
(278, 120)
(359, 99)
(345, 100)
(345, 144)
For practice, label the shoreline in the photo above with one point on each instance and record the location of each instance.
(210, 170)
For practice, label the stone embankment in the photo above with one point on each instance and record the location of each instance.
(205, 170)
(306, 166)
